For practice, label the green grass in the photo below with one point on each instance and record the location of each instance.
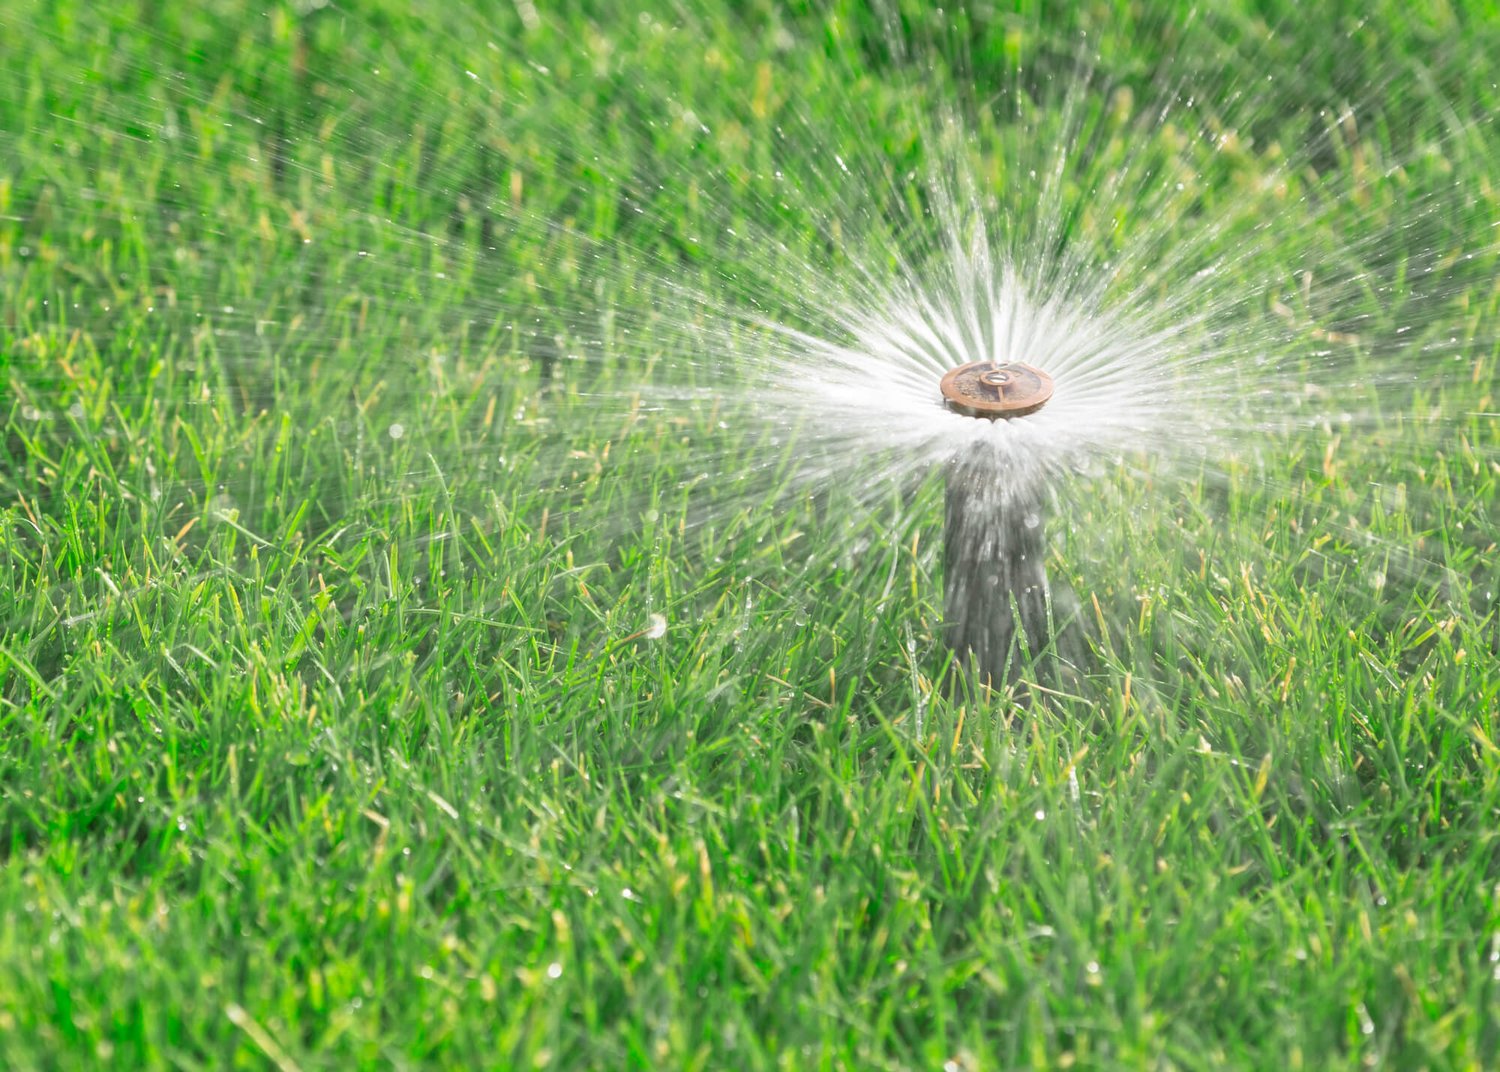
(323, 747)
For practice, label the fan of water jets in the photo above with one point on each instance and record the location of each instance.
(1192, 287)
(1217, 321)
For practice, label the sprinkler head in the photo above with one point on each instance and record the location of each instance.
(995, 390)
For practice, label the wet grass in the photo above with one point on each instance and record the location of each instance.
(376, 692)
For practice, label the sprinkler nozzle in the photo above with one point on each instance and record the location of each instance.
(994, 390)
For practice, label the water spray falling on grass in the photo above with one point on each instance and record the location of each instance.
(726, 297)
(1181, 345)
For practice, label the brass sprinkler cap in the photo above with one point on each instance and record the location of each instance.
(994, 390)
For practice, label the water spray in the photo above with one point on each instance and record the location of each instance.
(994, 542)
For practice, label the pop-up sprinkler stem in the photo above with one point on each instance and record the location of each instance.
(994, 541)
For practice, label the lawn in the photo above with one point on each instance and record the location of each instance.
(419, 649)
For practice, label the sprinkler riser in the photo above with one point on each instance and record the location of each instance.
(994, 542)
(994, 572)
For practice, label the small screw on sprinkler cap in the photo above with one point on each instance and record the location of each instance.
(994, 390)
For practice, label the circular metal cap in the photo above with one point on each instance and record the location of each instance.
(993, 390)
